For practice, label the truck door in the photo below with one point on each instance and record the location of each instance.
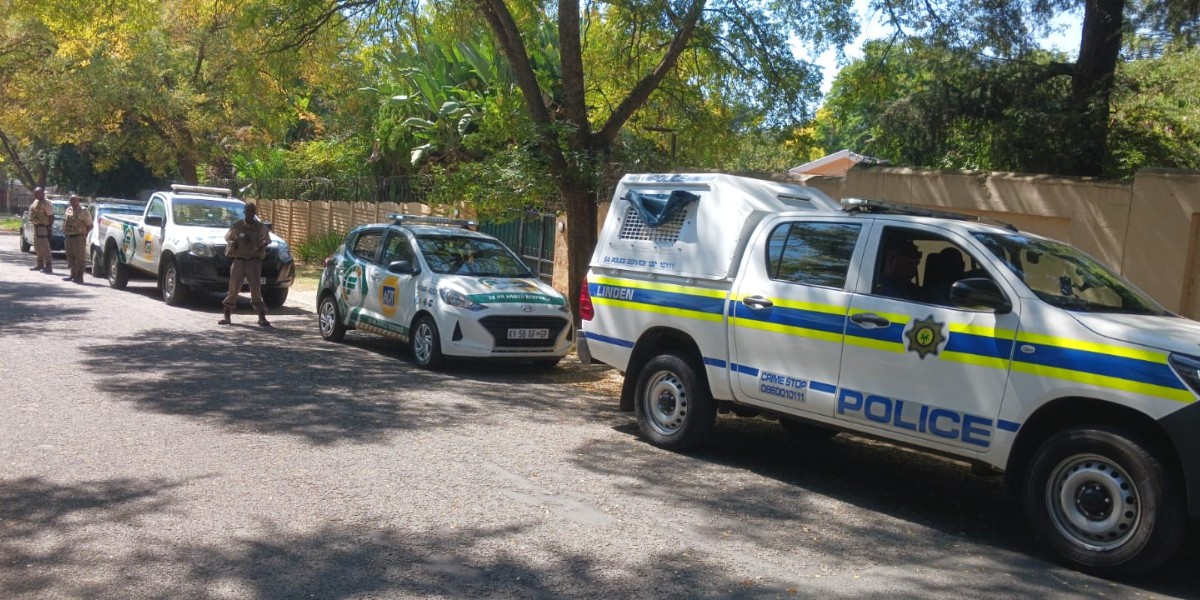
(149, 237)
(914, 366)
(788, 312)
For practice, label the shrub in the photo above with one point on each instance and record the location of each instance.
(317, 248)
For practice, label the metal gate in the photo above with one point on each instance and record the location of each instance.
(531, 237)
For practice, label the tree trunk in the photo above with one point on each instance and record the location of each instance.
(1092, 83)
(581, 234)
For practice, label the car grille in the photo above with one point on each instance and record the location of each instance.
(270, 266)
(499, 326)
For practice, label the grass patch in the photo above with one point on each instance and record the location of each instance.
(10, 223)
(308, 275)
(315, 249)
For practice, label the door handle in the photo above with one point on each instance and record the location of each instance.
(757, 302)
(870, 320)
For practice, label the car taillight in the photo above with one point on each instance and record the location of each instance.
(586, 311)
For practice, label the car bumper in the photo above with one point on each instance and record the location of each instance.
(466, 336)
(1183, 427)
(212, 273)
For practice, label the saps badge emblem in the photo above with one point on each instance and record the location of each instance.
(925, 337)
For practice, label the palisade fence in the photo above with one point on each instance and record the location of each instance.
(304, 209)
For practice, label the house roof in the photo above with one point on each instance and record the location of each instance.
(834, 164)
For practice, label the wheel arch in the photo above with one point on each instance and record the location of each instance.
(655, 341)
(1076, 411)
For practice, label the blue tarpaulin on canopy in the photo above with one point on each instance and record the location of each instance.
(656, 209)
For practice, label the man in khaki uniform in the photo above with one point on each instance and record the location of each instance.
(41, 214)
(76, 224)
(247, 241)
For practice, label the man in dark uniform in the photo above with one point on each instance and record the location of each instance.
(901, 258)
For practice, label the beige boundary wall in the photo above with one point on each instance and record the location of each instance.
(1147, 229)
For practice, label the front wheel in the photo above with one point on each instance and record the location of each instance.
(674, 408)
(426, 343)
(329, 319)
(118, 273)
(274, 297)
(1102, 500)
(174, 292)
(25, 246)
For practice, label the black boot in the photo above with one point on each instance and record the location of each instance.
(227, 320)
(262, 319)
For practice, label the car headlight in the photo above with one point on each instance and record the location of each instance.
(1188, 369)
(285, 253)
(202, 250)
(459, 300)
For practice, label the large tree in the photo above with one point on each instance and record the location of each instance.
(577, 118)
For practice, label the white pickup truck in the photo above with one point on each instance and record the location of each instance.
(180, 242)
(1015, 353)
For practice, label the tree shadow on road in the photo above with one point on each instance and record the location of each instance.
(26, 306)
(915, 502)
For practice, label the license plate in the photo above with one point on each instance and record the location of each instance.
(528, 334)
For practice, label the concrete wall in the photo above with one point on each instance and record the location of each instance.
(1147, 229)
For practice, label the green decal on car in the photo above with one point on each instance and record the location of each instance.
(516, 297)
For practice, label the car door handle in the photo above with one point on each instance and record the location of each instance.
(757, 302)
(870, 320)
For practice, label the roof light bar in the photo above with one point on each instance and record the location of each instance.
(880, 206)
(200, 189)
(401, 219)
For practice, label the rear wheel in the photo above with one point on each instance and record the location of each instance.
(174, 292)
(329, 319)
(674, 408)
(275, 297)
(426, 343)
(118, 273)
(1100, 499)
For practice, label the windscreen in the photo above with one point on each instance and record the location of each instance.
(1067, 278)
(197, 212)
(464, 255)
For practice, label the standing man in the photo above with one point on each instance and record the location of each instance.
(41, 214)
(247, 241)
(77, 222)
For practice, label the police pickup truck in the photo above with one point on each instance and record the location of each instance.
(180, 241)
(1016, 353)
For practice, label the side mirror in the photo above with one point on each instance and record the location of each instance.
(403, 267)
(978, 293)
(154, 221)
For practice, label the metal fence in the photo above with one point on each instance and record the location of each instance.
(531, 237)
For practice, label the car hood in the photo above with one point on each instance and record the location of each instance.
(496, 290)
(210, 235)
(1173, 334)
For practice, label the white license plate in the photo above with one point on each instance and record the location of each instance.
(262, 280)
(528, 334)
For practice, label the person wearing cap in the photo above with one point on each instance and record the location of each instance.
(247, 241)
(41, 214)
(77, 222)
(901, 258)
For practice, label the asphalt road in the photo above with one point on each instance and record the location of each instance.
(146, 452)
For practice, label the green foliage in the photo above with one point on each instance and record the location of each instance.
(1156, 114)
(317, 248)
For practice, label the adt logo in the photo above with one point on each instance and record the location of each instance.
(389, 296)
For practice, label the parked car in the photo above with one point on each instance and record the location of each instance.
(58, 241)
(99, 209)
(444, 289)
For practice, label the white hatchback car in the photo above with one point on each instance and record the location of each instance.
(446, 290)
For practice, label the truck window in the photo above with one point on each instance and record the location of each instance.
(398, 248)
(157, 209)
(920, 266)
(812, 253)
(366, 246)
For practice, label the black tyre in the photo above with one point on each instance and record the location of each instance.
(329, 319)
(1102, 501)
(94, 259)
(426, 343)
(275, 297)
(25, 246)
(118, 274)
(674, 407)
(174, 292)
(806, 431)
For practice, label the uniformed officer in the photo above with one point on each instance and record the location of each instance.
(247, 241)
(41, 214)
(76, 224)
